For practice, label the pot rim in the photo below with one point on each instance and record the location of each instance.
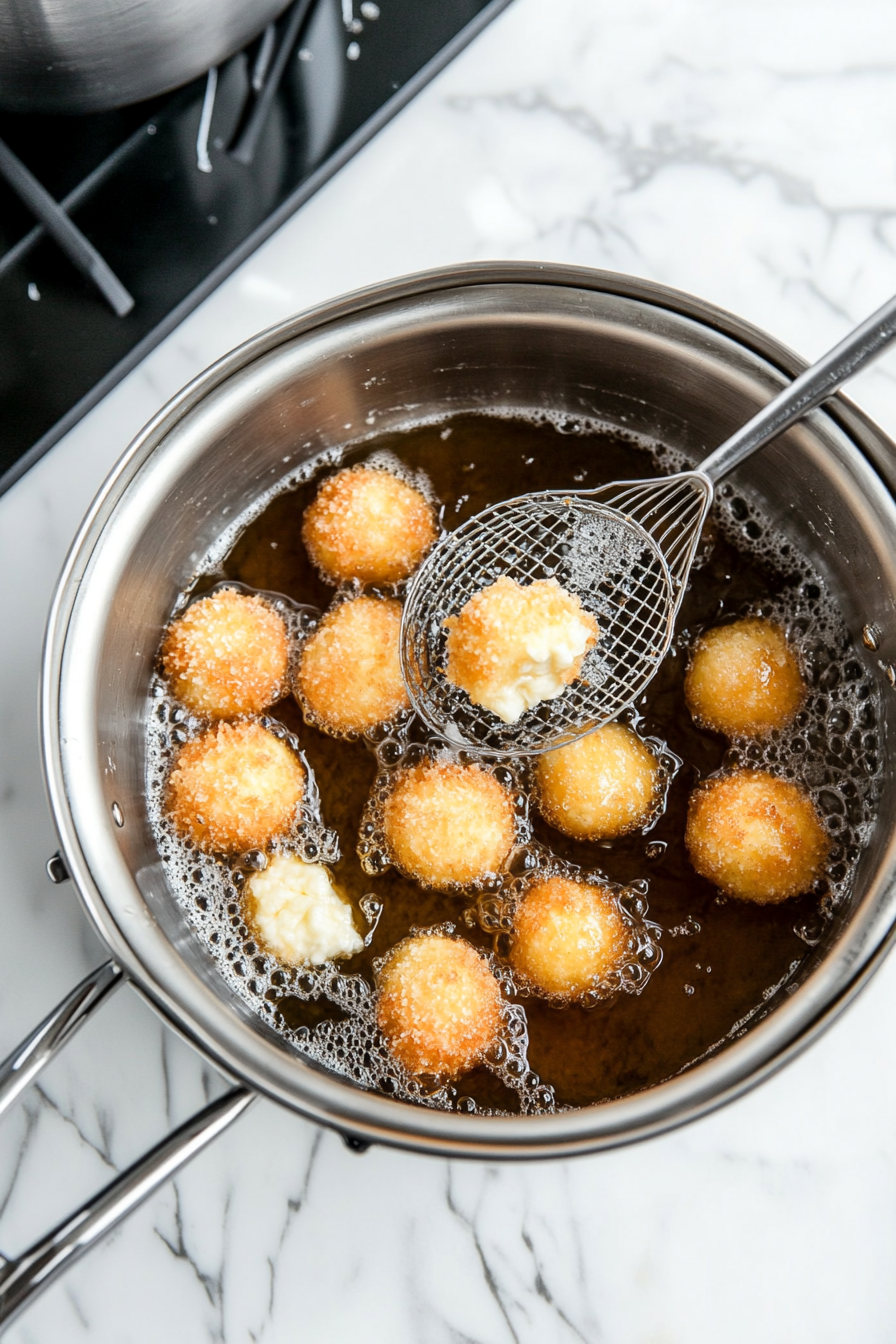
(326, 1098)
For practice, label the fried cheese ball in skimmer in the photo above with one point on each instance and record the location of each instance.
(226, 655)
(744, 679)
(366, 523)
(235, 788)
(599, 787)
(513, 645)
(756, 837)
(349, 674)
(447, 824)
(567, 936)
(438, 1005)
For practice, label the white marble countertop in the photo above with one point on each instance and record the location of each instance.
(745, 151)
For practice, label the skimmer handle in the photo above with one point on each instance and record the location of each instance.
(810, 389)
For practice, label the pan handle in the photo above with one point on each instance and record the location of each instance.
(23, 1278)
(26, 1061)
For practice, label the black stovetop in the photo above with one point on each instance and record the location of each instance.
(131, 181)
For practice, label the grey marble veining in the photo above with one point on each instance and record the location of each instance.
(746, 152)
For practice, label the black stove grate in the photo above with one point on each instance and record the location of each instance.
(169, 228)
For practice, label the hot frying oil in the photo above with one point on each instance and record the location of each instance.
(722, 958)
(723, 961)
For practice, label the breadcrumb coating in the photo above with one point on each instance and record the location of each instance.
(448, 824)
(602, 786)
(512, 646)
(298, 914)
(365, 523)
(744, 679)
(756, 837)
(226, 655)
(349, 674)
(567, 936)
(235, 788)
(438, 1005)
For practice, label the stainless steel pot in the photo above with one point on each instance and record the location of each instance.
(522, 337)
(59, 56)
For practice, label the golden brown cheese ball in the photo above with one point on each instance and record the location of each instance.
(438, 1005)
(227, 655)
(756, 837)
(235, 788)
(349, 675)
(567, 936)
(447, 824)
(513, 645)
(744, 679)
(365, 523)
(601, 786)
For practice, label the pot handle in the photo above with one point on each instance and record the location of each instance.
(23, 1278)
(26, 1061)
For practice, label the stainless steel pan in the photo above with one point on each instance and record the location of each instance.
(90, 55)
(507, 336)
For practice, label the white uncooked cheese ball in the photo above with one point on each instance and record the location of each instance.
(300, 916)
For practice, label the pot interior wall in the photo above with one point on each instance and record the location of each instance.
(500, 348)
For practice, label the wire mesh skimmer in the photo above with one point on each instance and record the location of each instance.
(625, 550)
